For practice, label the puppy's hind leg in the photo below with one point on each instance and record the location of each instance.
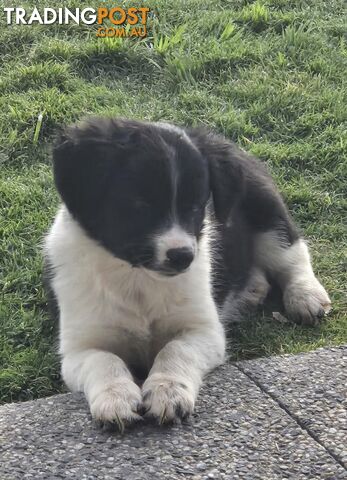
(239, 304)
(305, 300)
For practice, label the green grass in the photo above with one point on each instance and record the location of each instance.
(269, 75)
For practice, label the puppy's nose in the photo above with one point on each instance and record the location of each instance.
(180, 258)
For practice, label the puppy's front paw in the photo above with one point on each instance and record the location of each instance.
(306, 301)
(116, 404)
(167, 398)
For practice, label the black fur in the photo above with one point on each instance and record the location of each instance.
(47, 276)
(246, 202)
(117, 178)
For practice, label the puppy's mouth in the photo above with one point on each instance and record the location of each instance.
(160, 272)
(172, 273)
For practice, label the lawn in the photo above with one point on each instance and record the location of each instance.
(269, 75)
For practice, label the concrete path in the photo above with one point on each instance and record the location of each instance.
(276, 418)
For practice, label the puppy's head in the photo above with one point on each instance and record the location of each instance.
(138, 189)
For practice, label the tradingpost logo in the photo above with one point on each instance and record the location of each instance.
(110, 22)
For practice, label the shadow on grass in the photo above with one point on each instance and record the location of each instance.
(263, 334)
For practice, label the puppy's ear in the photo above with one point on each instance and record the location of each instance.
(226, 171)
(78, 155)
(85, 156)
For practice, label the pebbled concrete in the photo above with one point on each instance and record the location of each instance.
(237, 432)
(313, 388)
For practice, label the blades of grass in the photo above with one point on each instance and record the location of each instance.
(228, 32)
(38, 128)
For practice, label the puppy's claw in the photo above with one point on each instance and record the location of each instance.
(162, 419)
(306, 303)
(117, 406)
(120, 424)
(167, 400)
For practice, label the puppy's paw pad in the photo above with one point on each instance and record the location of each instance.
(117, 406)
(306, 302)
(167, 399)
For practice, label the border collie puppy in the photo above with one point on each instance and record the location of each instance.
(137, 247)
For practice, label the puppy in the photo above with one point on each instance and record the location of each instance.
(164, 233)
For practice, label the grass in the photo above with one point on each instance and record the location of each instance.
(270, 75)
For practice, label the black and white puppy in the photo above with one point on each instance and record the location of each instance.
(136, 248)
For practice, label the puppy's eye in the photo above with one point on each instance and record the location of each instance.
(141, 204)
(198, 208)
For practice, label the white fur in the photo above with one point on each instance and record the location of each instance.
(303, 295)
(113, 315)
(175, 237)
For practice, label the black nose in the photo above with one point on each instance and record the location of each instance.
(180, 258)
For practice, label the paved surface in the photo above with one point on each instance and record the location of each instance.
(313, 389)
(279, 418)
